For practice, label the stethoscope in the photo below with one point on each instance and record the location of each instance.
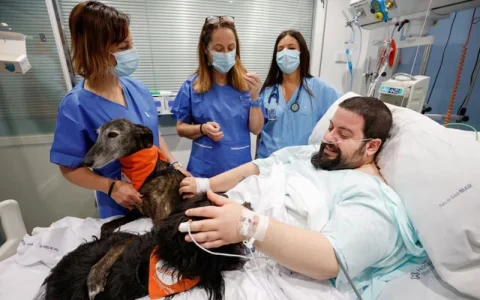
(272, 112)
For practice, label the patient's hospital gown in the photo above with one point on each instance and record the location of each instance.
(367, 223)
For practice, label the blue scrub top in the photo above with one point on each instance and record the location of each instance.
(230, 108)
(294, 128)
(82, 112)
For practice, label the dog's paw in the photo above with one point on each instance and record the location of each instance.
(96, 283)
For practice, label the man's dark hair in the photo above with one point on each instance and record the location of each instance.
(376, 115)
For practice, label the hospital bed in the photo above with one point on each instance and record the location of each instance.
(22, 273)
(20, 279)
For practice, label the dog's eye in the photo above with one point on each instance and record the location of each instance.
(112, 135)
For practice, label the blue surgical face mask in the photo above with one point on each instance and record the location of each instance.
(288, 60)
(127, 62)
(223, 62)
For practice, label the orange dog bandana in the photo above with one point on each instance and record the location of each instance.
(163, 282)
(137, 167)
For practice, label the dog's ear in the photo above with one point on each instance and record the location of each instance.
(145, 135)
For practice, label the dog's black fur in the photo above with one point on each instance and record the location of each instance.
(128, 278)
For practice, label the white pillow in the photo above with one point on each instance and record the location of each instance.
(436, 172)
(323, 124)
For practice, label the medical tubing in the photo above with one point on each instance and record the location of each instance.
(360, 51)
(459, 73)
(420, 35)
(353, 70)
(350, 67)
(211, 252)
(466, 125)
(342, 267)
(473, 80)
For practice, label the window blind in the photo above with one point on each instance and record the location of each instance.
(166, 33)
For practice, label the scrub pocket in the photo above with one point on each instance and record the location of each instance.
(240, 155)
(201, 160)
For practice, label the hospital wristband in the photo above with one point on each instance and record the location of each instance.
(203, 185)
(246, 224)
(261, 227)
(253, 226)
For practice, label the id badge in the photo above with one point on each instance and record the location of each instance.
(272, 114)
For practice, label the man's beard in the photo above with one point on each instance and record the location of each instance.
(321, 160)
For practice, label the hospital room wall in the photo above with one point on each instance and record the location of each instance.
(335, 34)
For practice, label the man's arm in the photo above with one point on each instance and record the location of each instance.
(304, 251)
(229, 179)
(300, 250)
(220, 183)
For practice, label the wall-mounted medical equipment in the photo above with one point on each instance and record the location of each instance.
(13, 53)
(350, 47)
(413, 19)
(405, 91)
(375, 13)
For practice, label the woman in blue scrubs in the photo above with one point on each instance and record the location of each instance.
(293, 100)
(218, 106)
(104, 55)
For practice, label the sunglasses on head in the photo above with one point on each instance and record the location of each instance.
(218, 19)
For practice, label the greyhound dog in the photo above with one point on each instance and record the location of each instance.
(121, 138)
(117, 139)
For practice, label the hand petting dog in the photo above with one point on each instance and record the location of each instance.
(188, 187)
(182, 170)
(221, 227)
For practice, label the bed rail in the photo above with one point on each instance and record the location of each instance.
(13, 227)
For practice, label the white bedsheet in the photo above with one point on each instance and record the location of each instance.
(20, 281)
(267, 280)
(22, 274)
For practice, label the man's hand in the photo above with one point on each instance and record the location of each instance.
(212, 130)
(188, 187)
(222, 226)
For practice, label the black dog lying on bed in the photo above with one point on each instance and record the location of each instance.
(129, 276)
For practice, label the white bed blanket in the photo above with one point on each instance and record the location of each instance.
(267, 280)
(22, 274)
